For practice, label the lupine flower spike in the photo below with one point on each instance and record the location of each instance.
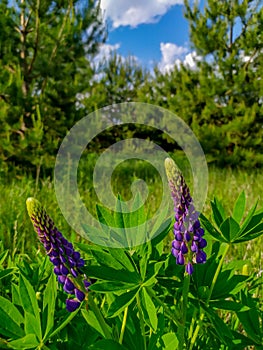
(67, 262)
(188, 243)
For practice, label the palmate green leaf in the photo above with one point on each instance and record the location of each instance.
(95, 235)
(228, 284)
(111, 286)
(239, 207)
(106, 344)
(138, 216)
(7, 272)
(228, 305)
(92, 320)
(27, 342)
(3, 256)
(210, 229)
(104, 258)
(49, 303)
(252, 234)
(248, 219)
(16, 299)
(120, 302)
(230, 229)
(31, 325)
(110, 274)
(223, 331)
(105, 216)
(124, 258)
(217, 216)
(251, 319)
(10, 319)
(170, 341)
(148, 309)
(29, 302)
(144, 252)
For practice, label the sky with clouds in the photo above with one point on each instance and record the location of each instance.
(154, 31)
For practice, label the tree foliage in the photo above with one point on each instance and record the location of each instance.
(45, 53)
(222, 97)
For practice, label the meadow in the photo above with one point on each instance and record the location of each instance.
(139, 291)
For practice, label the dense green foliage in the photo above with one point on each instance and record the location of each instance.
(45, 54)
(140, 298)
(48, 80)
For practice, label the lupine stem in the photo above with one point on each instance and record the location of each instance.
(141, 321)
(123, 324)
(165, 308)
(181, 327)
(99, 317)
(198, 326)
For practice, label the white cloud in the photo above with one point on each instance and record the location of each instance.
(105, 51)
(171, 55)
(135, 12)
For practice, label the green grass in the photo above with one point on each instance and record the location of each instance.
(16, 232)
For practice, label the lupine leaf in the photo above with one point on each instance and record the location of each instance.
(104, 258)
(3, 256)
(210, 229)
(49, 303)
(170, 341)
(120, 302)
(28, 342)
(111, 286)
(216, 214)
(31, 325)
(6, 272)
(248, 218)
(106, 344)
(124, 258)
(239, 207)
(16, 299)
(11, 319)
(148, 309)
(229, 229)
(110, 274)
(29, 302)
(105, 216)
(92, 320)
(223, 331)
(228, 305)
(252, 234)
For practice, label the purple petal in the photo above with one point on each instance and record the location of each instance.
(187, 236)
(175, 252)
(73, 272)
(72, 304)
(69, 286)
(184, 248)
(200, 257)
(76, 255)
(57, 270)
(194, 247)
(64, 270)
(189, 268)
(202, 243)
(62, 279)
(86, 284)
(79, 294)
(176, 245)
(180, 259)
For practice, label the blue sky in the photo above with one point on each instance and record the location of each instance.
(154, 31)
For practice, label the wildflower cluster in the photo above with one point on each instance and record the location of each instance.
(188, 243)
(67, 262)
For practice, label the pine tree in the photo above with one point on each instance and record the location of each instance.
(45, 58)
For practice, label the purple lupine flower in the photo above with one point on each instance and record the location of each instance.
(67, 262)
(188, 243)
